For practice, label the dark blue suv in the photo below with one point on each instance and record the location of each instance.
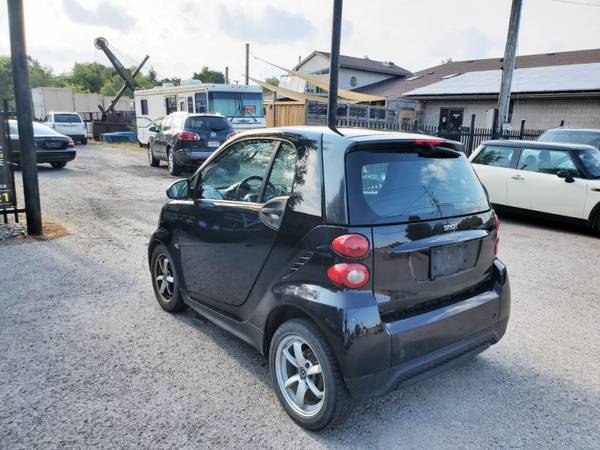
(187, 140)
(355, 260)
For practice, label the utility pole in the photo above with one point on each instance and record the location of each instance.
(247, 62)
(334, 66)
(508, 64)
(226, 75)
(20, 70)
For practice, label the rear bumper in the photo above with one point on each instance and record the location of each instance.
(424, 345)
(49, 156)
(193, 156)
(427, 365)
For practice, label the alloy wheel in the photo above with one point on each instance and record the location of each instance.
(170, 162)
(150, 155)
(163, 278)
(299, 376)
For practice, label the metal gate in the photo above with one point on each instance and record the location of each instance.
(8, 193)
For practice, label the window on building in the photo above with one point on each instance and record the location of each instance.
(144, 106)
(190, 104)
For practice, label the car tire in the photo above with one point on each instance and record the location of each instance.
(151, 159)
(174, 168)
(311, 411)
(165, 280)
(58, 165)
(84, 141)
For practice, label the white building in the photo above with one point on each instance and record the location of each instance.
(354, 72)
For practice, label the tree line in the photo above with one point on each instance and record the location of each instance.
(89, 77)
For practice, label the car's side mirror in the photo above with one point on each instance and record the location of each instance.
(566, 175)
(179, 190)
(153, 129)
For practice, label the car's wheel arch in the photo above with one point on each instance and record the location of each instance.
(594, 217)
(277, 317)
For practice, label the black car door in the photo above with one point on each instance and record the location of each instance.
(223, 241)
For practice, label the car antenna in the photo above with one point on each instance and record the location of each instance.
(334, 67)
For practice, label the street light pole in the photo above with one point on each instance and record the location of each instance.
(508, 63)
(20, 70)
(334, 67)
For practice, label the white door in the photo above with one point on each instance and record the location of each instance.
(534, 184)
(493, 166)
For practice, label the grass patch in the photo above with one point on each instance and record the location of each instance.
(130, 146)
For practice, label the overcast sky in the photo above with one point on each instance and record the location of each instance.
(181, 36)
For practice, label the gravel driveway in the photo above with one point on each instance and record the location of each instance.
(88, 359)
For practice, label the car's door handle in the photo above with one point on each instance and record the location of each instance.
(517, 177)
(271, 214)
(200, 203)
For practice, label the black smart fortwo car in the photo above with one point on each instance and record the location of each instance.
(357, 262)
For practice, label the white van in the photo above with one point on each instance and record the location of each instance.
(69, 124)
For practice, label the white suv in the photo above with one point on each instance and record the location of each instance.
(69, 124)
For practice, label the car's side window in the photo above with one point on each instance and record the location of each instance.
(492, 155)
(238, 172)
(547, 161)
(282, 173)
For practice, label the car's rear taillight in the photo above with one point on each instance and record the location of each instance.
(351, 245)
(71, 143)
(188, 136)
(429, 141)
(350, 275)
(232, 134)
(496, 233)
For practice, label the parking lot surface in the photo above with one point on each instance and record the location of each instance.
(88, 359)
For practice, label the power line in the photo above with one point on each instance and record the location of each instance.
(574, 2)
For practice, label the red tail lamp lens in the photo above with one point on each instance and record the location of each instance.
(429, 141)
(188, 136)
(71, 143)
(351, 245)
(232, 134)
(497, 233)
(353, 276)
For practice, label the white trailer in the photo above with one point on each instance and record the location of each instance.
(46, 99)
(241, 104)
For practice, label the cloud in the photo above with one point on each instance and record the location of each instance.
(272, 25)
(104, 14)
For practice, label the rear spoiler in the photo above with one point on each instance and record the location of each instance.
(451, 146)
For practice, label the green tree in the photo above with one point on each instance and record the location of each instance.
(272, 80)
(89, 77)
(209, 76)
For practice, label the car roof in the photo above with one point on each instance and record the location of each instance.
(63, 112)
(571, 130)
(358, 135)
(189, 114)
(538, 144)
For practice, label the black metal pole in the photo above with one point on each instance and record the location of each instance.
(20, 69)
(334, 67)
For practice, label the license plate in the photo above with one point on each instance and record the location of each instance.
(213, 144)
(54, 144)
(448, 260)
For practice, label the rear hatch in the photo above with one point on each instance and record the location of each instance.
(69, 124)
(432, 226)
(212, 131)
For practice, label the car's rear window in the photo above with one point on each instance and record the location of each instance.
(572, 137)
(67, 118)
(207, 123)
(411, 185)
